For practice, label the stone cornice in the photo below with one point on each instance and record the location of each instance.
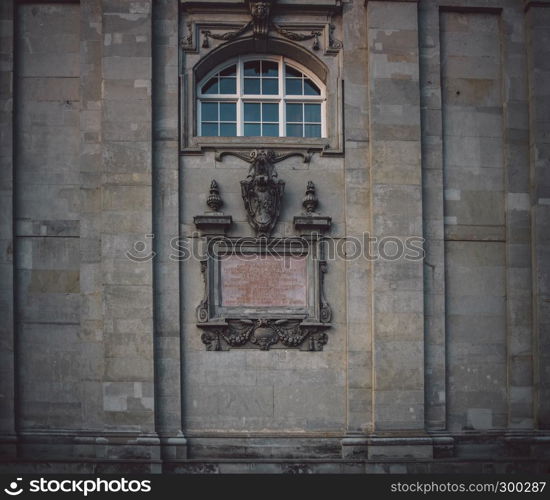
(394, 1)
(535, 3)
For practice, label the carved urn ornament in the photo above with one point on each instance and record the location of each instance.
(310, 200)
(214, 200)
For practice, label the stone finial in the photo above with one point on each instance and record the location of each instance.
(310, 202)
(214, 200)
(311, 222)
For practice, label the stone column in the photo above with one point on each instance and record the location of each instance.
(91, 285)
(397, 315)
(433, 217)
(166, 274)
(537, 20)
(126, 229)
(519, 306)
(7, 366)
(359, 338)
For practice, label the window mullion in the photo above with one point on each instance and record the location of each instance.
(219, 119)
(199, 118)
(239, 104)
(282, 118)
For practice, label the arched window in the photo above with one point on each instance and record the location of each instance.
(269, 96)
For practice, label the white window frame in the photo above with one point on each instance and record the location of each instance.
(281, 98)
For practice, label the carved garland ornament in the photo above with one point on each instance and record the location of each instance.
(260, 24)
(265, 333)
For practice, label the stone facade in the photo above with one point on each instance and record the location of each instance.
(438, 130)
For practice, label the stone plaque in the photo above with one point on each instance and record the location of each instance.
(263, 281)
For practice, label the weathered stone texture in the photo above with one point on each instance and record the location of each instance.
(396, 189)
(437, 119)
(475, 271)
(538, 24)
(47, 197)
(7, 339)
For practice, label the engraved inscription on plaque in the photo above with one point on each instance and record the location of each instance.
(264, 281)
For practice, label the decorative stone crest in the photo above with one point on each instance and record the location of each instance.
(262, 190)
(262, 193)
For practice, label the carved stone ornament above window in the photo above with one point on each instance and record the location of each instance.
(260, 25)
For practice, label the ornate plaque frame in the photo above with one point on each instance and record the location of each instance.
(264, 327)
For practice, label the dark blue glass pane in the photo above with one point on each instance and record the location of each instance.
(270, 68)
(211, 86)
(228, 112)
(310, 88)
(252, 86)
(293, 130)
(231, 71)
(209, 112)
(292, 72)
(270, 130)
(252, 68)
(209, 129)
(312, 113)
(270, 112)
(228, 85)
(228, 129)
(313, 130)
(251, 112)
(270, 86)
(293, 86)
(294, 113)
(252, 130)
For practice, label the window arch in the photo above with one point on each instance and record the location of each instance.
(261, 96)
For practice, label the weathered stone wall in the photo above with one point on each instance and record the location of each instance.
(537, 24)
(51, 365)
(439, 128)
(474, 220)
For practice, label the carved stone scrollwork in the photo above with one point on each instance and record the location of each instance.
(326, 311)
(187, 42)
(202, 308)
(297, 469)
(265, 333)
(334, 45)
